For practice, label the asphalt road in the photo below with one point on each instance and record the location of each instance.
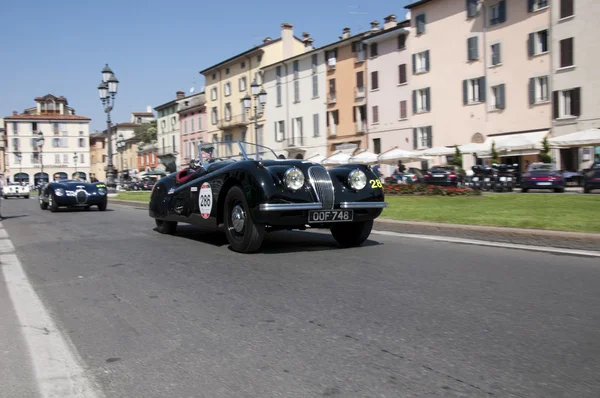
(184, 316)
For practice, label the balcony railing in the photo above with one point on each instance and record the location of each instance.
(359, 92)
(167, 150)
(331, 98)
(295, 141)
(361, 126)
(233, 121)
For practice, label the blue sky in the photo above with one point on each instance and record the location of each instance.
(154, 47)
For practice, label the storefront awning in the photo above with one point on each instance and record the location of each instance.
(514, 144)
(589, 137)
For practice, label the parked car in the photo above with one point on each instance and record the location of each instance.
(73, 193)
(591, 178)
(249, 190)
(448, 175)
(542, 176)
(15, 190)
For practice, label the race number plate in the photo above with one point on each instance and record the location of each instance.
(318, 216)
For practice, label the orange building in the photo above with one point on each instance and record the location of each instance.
(147, 157)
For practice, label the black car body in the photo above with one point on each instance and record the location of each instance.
(249, 190)
(542, 176)
(449, 175)
(591, 178)
(73, 193)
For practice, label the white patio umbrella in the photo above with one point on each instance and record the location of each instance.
(587, 137)
(395, 154)
(364, 157)
(438, 151)
(337, 158)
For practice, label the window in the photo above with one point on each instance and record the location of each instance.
(243, 84)
(315, 86)
(297, 130)
(566, 103)
(497, 13)
(316, 132)
(498, 95)
(242, 65)
(496, 56)
(401, 42)
(315, 62)
(192, 125)
(226, 71)
(374, 51)
(279, 131)
(82, 143)
(422, 137)
(228, 111)
(538, 90)
(375, 114)
(374, 80)
(81, 158)
(57, 159)
(35, 157)
(377, 145)
(403, 111)
(422, 100)
(296, 90)
(331, 56)
(538, 42)
(402, 74)
(473, 48)
(65, 158)
(278, 95)
(566, 8)
(360, 49)
(474, 91)
(227, 89)
(213, 94)
(420, 21)
(278, 74)
(472, 8)
(535, 5)
(259, 58)
(213, 115)
(566, 52)
(296, 67)
(421, 62)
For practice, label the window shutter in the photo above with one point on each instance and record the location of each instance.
(401, 41)
(415, 138)
(316, 125)
(402, 109)
(532, 91)
(555, 105)
(501, 97)
(530, 5)
(502, 11)
(482, 89)
(576, 101)
(530, 44)
(472, 48)
(354, 46)
(471, 8)
(414, 100)
(354, 114)
(465, 92)
(420, 23)
(402, 72)
(428, 99)
(427, 60)
(414, 63)
(375, 114)
(359, 79)
(566, 8)
(374, 80)
(566, 52)
(327, 118)
(429, 137)
(498, 53)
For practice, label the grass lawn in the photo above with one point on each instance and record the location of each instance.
(554, 211)
(139, 196)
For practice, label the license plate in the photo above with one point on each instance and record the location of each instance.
(318, 216)
(544, 183)
(438, 175)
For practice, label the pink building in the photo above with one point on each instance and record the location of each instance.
(192, 120)
(388, 93)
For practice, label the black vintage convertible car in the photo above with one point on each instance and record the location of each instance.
(250, 191)
(73, 193)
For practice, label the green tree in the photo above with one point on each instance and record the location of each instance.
(146, 132)
(458, 161)
(495, 155)
(545, 152)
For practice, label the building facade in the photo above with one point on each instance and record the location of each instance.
(228, 82)
(98, 156)
(2, 150)
(168, 133)
(295, 108)
(576, 53)
(388, 92)
(148, 157)
(192, 119)
(480, 70)
(65, 151)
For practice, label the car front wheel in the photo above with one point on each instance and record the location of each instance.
(102, 206)
(52, 205)
(243, 234)
(352, 234)
(165, 227)
(43, 205)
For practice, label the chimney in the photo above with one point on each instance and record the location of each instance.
(267, 39)
(345, 34)
(390, 22)
(149, 109)
(180, 94)
(308, 46)
(287, 39)
(15, 113)
(374, 25)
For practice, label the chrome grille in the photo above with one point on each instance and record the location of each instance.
(321, 182)
(81, 196)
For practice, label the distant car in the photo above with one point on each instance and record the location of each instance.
(542, 176)
(73, 193)
(15, 190)
(449, 175)
(591, 178)
(251, 191)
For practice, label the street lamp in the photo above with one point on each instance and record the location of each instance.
(107, 91)
(75, 159)
(121, 149)
(19, 157)
(40, 143)
(260, 99)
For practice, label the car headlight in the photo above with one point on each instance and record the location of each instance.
(101, 191)
(357, 179)
(294, 179)
(59, 191)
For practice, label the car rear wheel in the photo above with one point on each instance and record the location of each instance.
(166, 227)
(102, 206)
(43, 205)
(352, 234)
(243, 234)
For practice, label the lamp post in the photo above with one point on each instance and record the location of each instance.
(121, 149)
(75, 159)
(19, 157)
(260, 98)
(40, 144)
(107, 91)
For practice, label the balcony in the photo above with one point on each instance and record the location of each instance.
(167, 151)
(295, 141)
(233, 121)
(361, 127)
(359, 93)
(331, 98)
(332, 131)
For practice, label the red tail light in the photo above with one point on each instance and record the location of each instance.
(452, 175)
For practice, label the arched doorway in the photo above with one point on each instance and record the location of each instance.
(21, 177)
(41, 178)
(79, 174)
(299, 156)
(61, 175)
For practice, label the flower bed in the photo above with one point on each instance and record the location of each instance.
(428, 190)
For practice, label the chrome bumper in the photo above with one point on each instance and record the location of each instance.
(319, 206)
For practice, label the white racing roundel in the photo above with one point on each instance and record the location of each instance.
(205, 200)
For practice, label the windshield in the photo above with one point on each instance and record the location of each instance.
(234, 151)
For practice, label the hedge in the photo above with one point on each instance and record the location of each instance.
(427, 190)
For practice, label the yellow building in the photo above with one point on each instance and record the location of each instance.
(98, 156)
(228, 82)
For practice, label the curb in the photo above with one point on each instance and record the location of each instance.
(130, 203)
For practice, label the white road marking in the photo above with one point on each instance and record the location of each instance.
(555, 250)
(57, 367)
(6, 245)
